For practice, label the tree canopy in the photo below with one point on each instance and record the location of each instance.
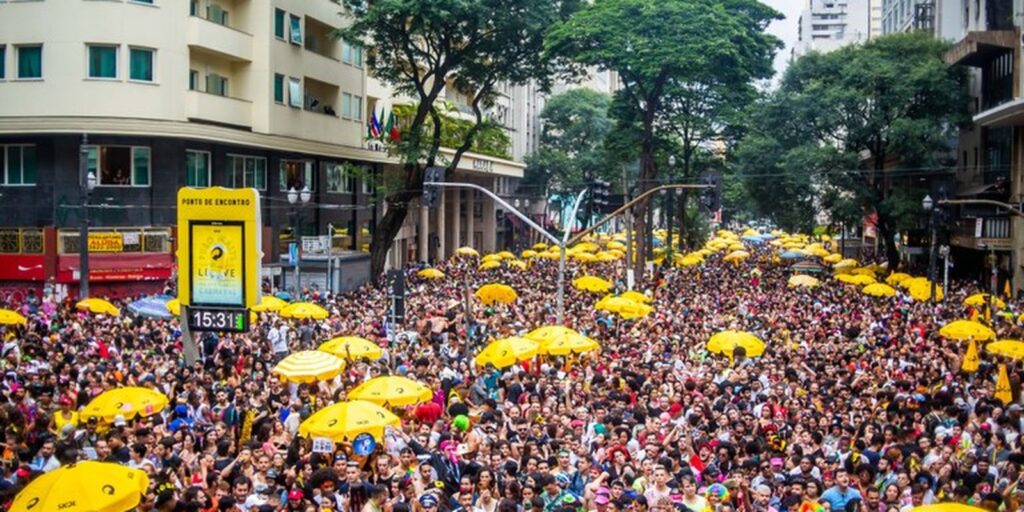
(571, 150)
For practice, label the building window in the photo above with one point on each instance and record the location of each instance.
(368, 184)
(346, 105)
(351, 54)
(3, 61)
(216, 84)
(197, 168)
(338, 179)
(279, 23)
(140, 63)
(19, 164)
(297, 174)
(247, 171)
(294, 92)
(193, 7)
(296, 30)
(102, 61)
(120, 166)
(278, 88)
(217, 14)
(357, 56)
(357, 107)
(193, 80)
(30, 61)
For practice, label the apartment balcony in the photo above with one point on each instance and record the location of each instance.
(219, 39)
(213, 108)
(979, 47)
(982, 233)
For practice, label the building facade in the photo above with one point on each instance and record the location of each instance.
(154, 95)
(945, 19)
(826, 25)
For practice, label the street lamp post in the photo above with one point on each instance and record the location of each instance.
(929, 208)
(87, 182)
(670, 210)
(297, 200)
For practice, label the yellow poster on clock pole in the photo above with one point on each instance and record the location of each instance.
(219, 247)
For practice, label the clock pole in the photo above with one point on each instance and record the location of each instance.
(188, 345)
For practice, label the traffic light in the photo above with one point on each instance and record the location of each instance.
(599, 195)
(711, 198)
(432, 192)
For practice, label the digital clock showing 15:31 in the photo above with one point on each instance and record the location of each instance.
(218, 319)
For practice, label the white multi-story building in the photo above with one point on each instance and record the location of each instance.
(173, 93)
(826, 25)
(942, 18)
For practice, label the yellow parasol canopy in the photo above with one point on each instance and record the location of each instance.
(832, 258)
(303, 310)
(506, 255)
(506, 352)
(586, 247)
(855, 279)
(97, 306)
(516, 264)
(803, 281)
(344, 421)
(491, 257)
(736, 256)
(309, 366)
(129, 402)
(624, 307)
(615, 245)
(947, 507)
(392, 391)
(982, 299)
(540, 246)
(84, 487)
(430, 273)
(922, 291)
(529, 253)
(592, 284)
(489, 265)
(578, 344)
(1014, 349)
(897, 278)
(726, 342)
(964, 330)
(351, 348)
(495, 292)
(879, 290)
(466, 251)
(866, 271)
(845, 263)
(174, 306)
(269, 303)
(8, 317)
(636, 296)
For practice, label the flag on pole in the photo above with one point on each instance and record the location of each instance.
(1003, 392)
(391, 128)
(374, 126)
(970, 364)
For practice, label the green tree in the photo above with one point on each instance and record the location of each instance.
(571, 150)
(842, 117)
(420, 47)
(655, 44)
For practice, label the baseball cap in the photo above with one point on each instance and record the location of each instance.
(295, 495)
(603, 496)
(428, 500)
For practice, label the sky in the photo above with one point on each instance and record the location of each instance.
(786, 30)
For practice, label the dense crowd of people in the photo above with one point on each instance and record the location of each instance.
(857, 404)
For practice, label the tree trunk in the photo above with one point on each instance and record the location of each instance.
(892, 255)
(684, 228)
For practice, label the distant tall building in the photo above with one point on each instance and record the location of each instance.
(875, 24)
(826, 25)
(942, 18)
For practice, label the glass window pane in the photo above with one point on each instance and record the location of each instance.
(28, 165)
(3, 61)
(357, 107)
(261, 173)
(279, 88)
(14, 165)
(30, 62)
(140, 161)
(346, 52)
(279, 23)
(102, 62)
(296, 30)
(141, 64)
(346, 105)
(357, 54)
(115, 164)
(294, 92)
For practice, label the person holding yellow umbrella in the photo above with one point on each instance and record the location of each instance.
(84, 487)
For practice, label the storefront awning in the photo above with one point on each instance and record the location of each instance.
(977, 48)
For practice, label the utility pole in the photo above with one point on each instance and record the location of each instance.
(87, 182)
(629, 229)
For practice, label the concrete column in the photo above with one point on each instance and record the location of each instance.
(441, 248)
(470, 226)
(457, 219)
(490, 227)
(424, 236)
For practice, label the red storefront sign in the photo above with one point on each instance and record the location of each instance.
(22, 267)
(118, 267)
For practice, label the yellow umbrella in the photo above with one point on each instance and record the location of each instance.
(592, 284)
(726, 342)
(896, 278)
(517, 264)
(8, 317)
(84, 487)
(910, 282)
(507, 351)
(344, 421)
(268, 303)
(848, 262)
(551, 332)
(506, 255)
(351, 348)
(577, 344)
(491, 257)
(964, 330)
(309, 366)
(529, 253)
(392, 391)
(303, 310)
(690, 261)
(832, 258)
(584, 257)
(174, 306)
(803, 281)
(923, 291)
(948, 507)
(971, 360)
(866, 271)
(549, 255)
(636, 296)
(1013, 349)
(1002, 391)
(430, 273)
(736, 256)
(494, 292)
(624, 307)
(466, 251)
(879, 290)
(608, 256)
(540, 246)
(615, 245)
(857, 279)
(982, 300)
(98, 306)
(489, 265)
(128, 402)
(586, 247)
